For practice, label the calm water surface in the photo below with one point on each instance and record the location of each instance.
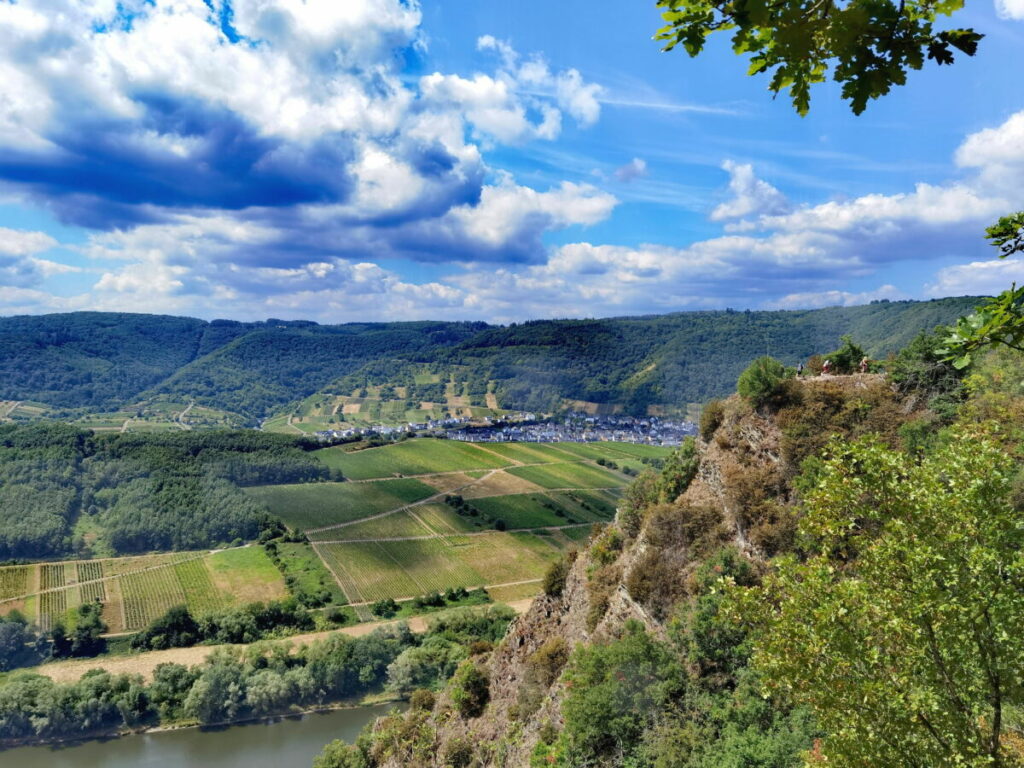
(291, 743)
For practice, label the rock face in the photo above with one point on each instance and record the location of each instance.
(741, 494)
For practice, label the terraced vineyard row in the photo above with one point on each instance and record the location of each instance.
(149, 594)
(13, 581)
(370, 571)
(136, 590)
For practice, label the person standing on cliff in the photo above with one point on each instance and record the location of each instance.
(799, 369)
(864, 364)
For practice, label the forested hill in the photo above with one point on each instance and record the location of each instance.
(109, 360)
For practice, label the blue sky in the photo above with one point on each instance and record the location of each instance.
(380, 159)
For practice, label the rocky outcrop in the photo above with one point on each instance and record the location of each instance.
(741, 488)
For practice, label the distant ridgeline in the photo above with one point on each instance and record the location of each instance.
(234, 373)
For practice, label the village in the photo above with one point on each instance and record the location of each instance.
(526, 427)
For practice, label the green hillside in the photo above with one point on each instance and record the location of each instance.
(111, 362)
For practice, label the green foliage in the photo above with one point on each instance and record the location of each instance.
(470, 690)
(235, 684)
(711, 419)
(554, 578)
(95, 360)
(1000, 320)
(178, 628)
(679, 470)
(868, 45)
(143, 491)
(761, 380)
(615, 693)
(923, 367)
(425, 666)
(847, 358)
(543, 667)
(900, 628)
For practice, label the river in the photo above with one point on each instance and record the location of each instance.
(287, 743)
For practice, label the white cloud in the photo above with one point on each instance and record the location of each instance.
(751, 196)
(836, 298)
(19, 242)
(977, 278)
(634, 169)
(1010, 9)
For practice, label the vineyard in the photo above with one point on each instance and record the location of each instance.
(13, 581)
(411, 457)
(135, 590)
(314, 505)
(576, 475)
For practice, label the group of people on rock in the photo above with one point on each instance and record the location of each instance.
(826, 367)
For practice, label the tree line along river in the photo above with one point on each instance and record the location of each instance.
(290, 742)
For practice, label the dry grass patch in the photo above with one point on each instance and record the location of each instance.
(447, 483)
(500, 484)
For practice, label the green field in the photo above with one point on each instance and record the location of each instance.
(399, 524)
(569, 476)
(530, 453)
(614, 451)
(410, 457)
(405, 568)
(314, 505)
(135, 590)
(521, 510)
(306, 571)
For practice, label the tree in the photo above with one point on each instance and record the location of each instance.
(868, 44)
(999, 321)
(761, 380)
(900, 629)
(471, 690)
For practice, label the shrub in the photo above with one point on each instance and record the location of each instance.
(422, 699)
(554, 579)
(543, 667)
(384, 608)
(459, 752)
(760, 381)
(711, 418)
(470, 690)
(847, 357)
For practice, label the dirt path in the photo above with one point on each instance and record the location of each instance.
(429, 500)
(457, 533)
(145, 663)
(180, 418)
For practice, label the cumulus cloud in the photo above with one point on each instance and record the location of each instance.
(979, 278)
(750, 195)
(292, 117)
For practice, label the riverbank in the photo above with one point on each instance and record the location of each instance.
(146, 662)
(292, 740)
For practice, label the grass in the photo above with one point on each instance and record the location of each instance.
(520, 511)
(246, 575)
(307, 571)
(515, 592)
(568, 476)
(313, 505)
(410, 457)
